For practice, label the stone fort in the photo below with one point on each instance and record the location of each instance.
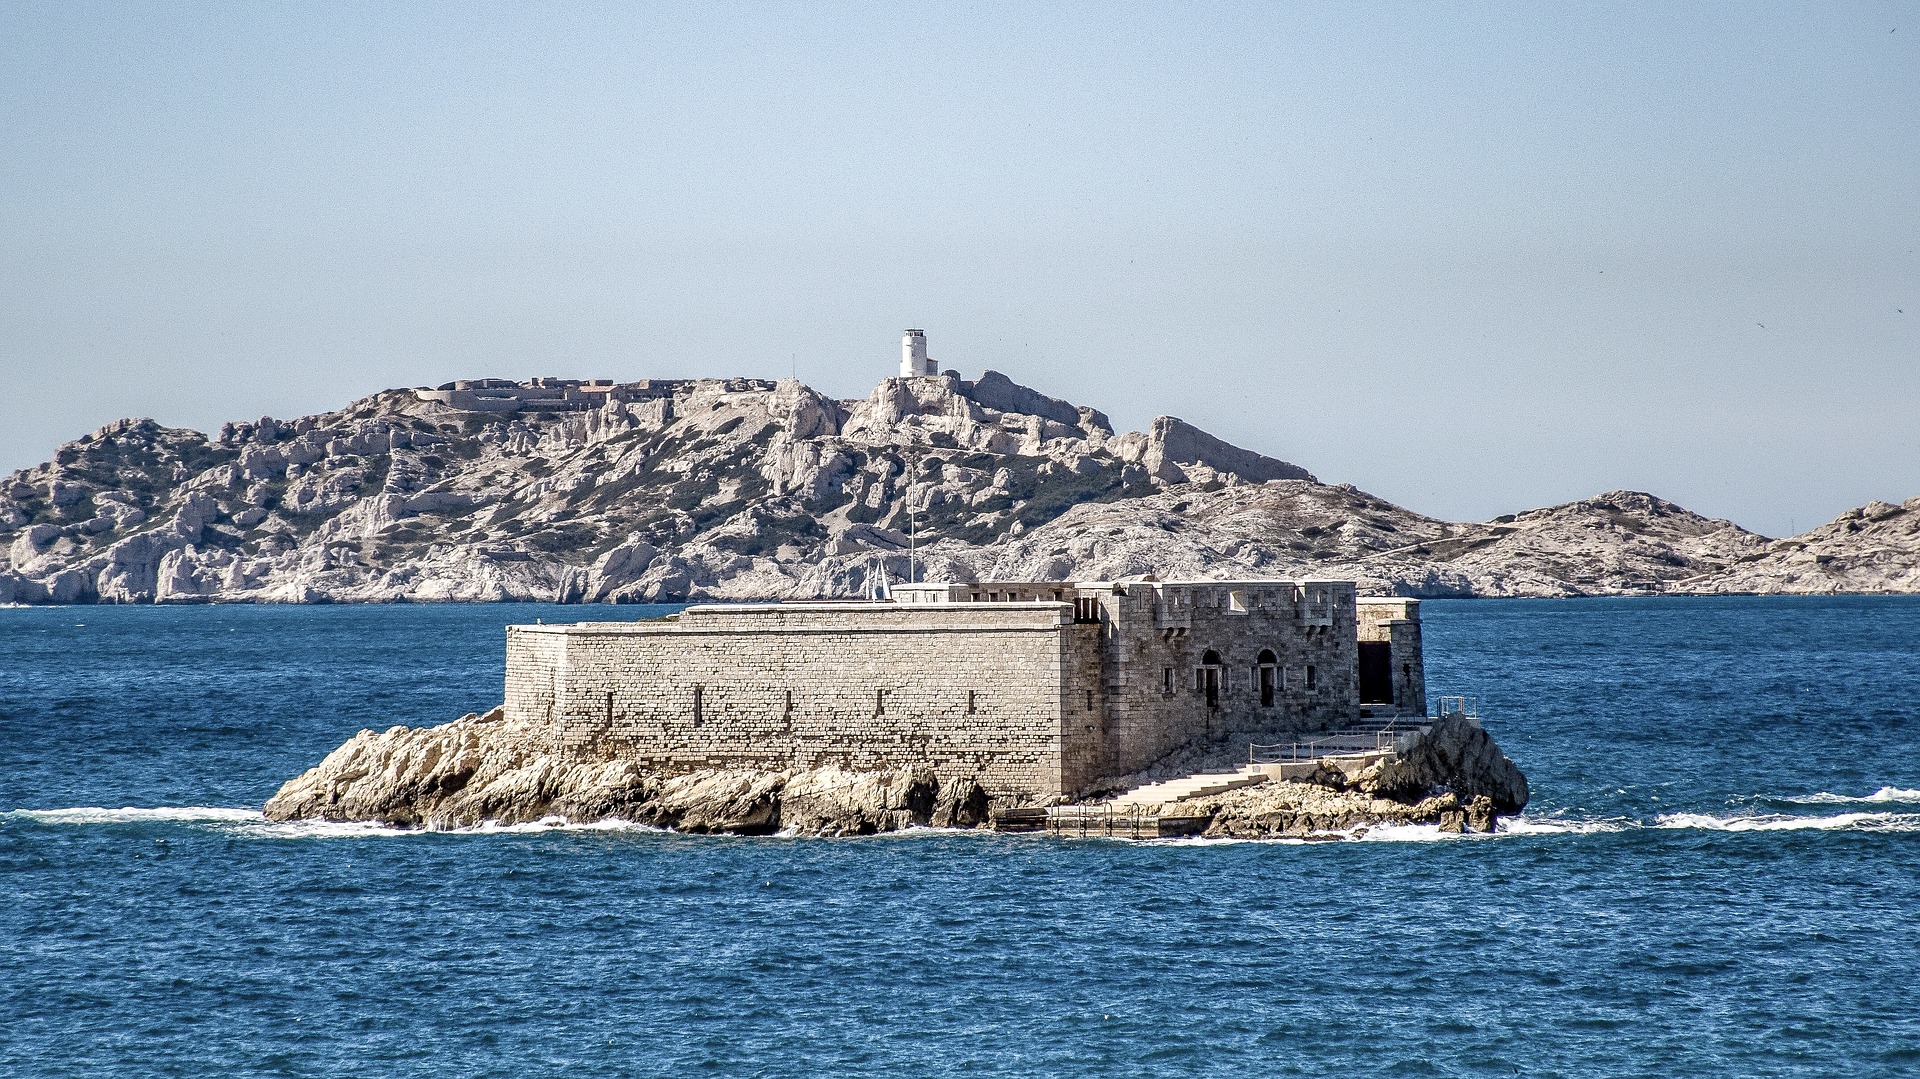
(1039, 691)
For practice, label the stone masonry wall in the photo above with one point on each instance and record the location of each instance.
(1397, 621)
(1156, 640)
(1032, 698)
(1086, 714)
(536, 673)
(973, 690)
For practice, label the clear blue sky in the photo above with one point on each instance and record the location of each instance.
(1473, 258)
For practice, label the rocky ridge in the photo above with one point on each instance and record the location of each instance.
(742, 488)
(1452, 775)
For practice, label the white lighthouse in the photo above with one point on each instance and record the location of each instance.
(913, 355)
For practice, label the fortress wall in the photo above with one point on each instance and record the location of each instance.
(1409, 669)
(1397, 622)
(1086, 710)
(1150, 631)
(974, 690)
(1015, 694)
(536, 675)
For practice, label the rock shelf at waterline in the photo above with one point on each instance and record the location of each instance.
(487, 768)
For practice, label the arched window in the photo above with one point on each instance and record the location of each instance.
(1264, 676)
(1311, 679)
(1209, 677)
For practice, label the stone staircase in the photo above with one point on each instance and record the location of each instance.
(1193, 786)
(1145, 811)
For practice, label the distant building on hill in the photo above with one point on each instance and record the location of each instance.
(914, 361)
(506, 395)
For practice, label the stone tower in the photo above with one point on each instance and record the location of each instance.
(913, 355)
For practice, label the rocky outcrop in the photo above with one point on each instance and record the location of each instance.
(742, 488)
(1873, 548)
(1453, 756)
(484, 768)
(1450, 774)
(1305, 810)
(1175, 451)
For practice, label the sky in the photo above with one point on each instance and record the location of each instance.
(1473, 258)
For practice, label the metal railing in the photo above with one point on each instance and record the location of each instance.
(1356, 740)
(1101, 819)
(1332, 745)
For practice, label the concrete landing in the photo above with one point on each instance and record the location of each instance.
(1138, 814)
(1346, 762)
(1104, 819)
(1193, 786)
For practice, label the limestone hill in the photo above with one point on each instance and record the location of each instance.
(741, 488)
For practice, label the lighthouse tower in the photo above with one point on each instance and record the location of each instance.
(913, 355)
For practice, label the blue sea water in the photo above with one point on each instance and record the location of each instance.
(1719, 875)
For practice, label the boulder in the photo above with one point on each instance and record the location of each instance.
(1454, 755)
(998, 392)
(1174, 449)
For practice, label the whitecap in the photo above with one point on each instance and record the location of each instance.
(321, 829)
(1897, 795)
(1784, 823)
(325, 829)
(253, 823)
(1525, 825)
(134, 814)
(1198, 840)
(1406, 833)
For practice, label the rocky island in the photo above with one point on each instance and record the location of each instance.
(674, 490)
(1238, 708)
(486, 769)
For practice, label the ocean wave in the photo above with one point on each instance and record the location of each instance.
(1407, 833)
(1522, 826)
(1780, 822)
(253, 823)
(326, 829)
(1505, 827)
(1896, 795)
(133, 815)
(1525, 825)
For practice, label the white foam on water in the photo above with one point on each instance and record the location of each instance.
(1379, 833)
(1525, 825)
(1897, 795)
(251, 823)
(1892, 822)
(1519, 826)
(134, 814)
(1405, 833)
(322, 829)
(1186, 840)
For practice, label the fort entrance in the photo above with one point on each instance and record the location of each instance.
(1376, 672)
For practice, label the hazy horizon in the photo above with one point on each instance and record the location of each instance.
(1474, 260)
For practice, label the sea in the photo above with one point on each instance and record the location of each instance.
(1719, 874)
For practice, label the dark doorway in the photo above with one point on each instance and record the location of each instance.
(1268, 661)
(1376, 672)
(1210, 677)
